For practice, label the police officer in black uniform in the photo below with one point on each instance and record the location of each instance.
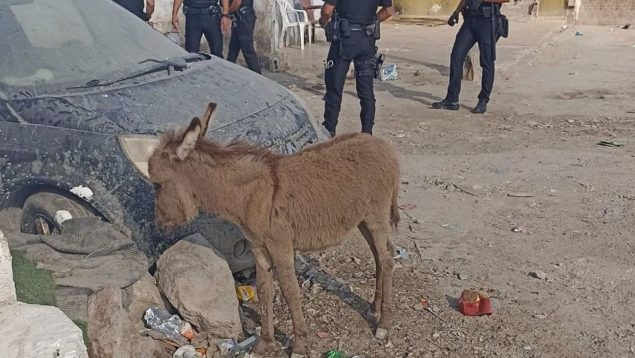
(136, 7)
(353, 28)
(201, 17)
(483, 25)
(241, 17)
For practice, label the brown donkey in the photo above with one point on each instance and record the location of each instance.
(306, 201)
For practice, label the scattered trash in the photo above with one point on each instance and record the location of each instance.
(245, 293)
(541, 275)
(162, 321)
(626, 27)
(421, 306)
(610, 143)
(407, 206)
(473, 303)
(186, 352)
(519, 229)
(61, 216)
(527, 348)
(402, 253)
(388, 72)
(83, 192)
(323, 335)
(187, 331)
(573, 73)
(335, 354)
(453, 227)
(578, 33)
(230, 349)
(436, 335)
(434, 313)
(462, 276)
(540, 316)
(520, 195)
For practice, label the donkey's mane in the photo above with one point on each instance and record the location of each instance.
(234, 150)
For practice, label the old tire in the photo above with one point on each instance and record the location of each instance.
(38, 212)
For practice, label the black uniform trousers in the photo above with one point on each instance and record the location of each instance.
(476, 29)
(199, 22)
(242, 39)
(360, 49)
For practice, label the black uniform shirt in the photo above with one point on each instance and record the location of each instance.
(361, 12)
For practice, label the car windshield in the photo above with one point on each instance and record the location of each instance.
(49, 45)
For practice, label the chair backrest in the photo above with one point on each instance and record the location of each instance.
(286, 11)
(311, 13)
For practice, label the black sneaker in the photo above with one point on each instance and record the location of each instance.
(445, 104)
(480, 108)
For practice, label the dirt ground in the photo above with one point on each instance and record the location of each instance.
(532, 162)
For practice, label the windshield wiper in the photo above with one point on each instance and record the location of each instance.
(169, 64)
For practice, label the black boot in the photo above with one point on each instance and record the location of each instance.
(481, 107)
(446, 104)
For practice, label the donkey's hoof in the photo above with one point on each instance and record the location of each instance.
(381, 333)
(297, 355)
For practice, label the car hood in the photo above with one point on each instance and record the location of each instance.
(153, 104)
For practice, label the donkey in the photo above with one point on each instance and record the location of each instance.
(305, 201)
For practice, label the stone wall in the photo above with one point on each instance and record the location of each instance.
(607, 12)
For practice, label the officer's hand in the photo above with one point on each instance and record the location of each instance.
(175, 22)
(226, 25)
(453, 19)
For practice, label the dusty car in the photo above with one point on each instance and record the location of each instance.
(86, 88)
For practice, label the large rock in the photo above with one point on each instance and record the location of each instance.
(38, 331)
(7, 287)
(113, 330)
(197, 281)
(108, 325)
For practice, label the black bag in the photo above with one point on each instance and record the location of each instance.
(502, 26)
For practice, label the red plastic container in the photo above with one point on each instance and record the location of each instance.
(473, 303)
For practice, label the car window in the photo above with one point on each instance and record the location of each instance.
(48, 45)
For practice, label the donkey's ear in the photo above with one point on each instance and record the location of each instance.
(188, 141)
(206, 118)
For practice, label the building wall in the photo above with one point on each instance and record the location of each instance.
(607, 12)
(446, 7)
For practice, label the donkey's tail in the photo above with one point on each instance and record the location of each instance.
(394, 209)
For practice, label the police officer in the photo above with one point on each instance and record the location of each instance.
(136, 7)
(201, 17)
(352, 34)
(481, 21)
(241, 17)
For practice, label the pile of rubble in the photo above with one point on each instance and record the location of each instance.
(188, 309)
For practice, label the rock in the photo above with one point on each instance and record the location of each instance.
(140, 296)
(541, 275)
(108, 324)
(186, 352)
(197, 281)
(7, 287)
(10, 219)
(38, 331)
(463, 276)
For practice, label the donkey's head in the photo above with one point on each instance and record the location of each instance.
(175, 202)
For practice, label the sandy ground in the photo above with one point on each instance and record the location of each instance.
(557, 95)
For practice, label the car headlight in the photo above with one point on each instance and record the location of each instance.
(139, 149)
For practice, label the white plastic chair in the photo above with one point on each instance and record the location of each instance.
(291, 18)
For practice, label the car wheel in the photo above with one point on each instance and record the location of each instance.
(38, 212)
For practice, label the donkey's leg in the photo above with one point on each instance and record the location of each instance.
(283, 259)
(264, 281)
(375, 307)
(380, 231)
